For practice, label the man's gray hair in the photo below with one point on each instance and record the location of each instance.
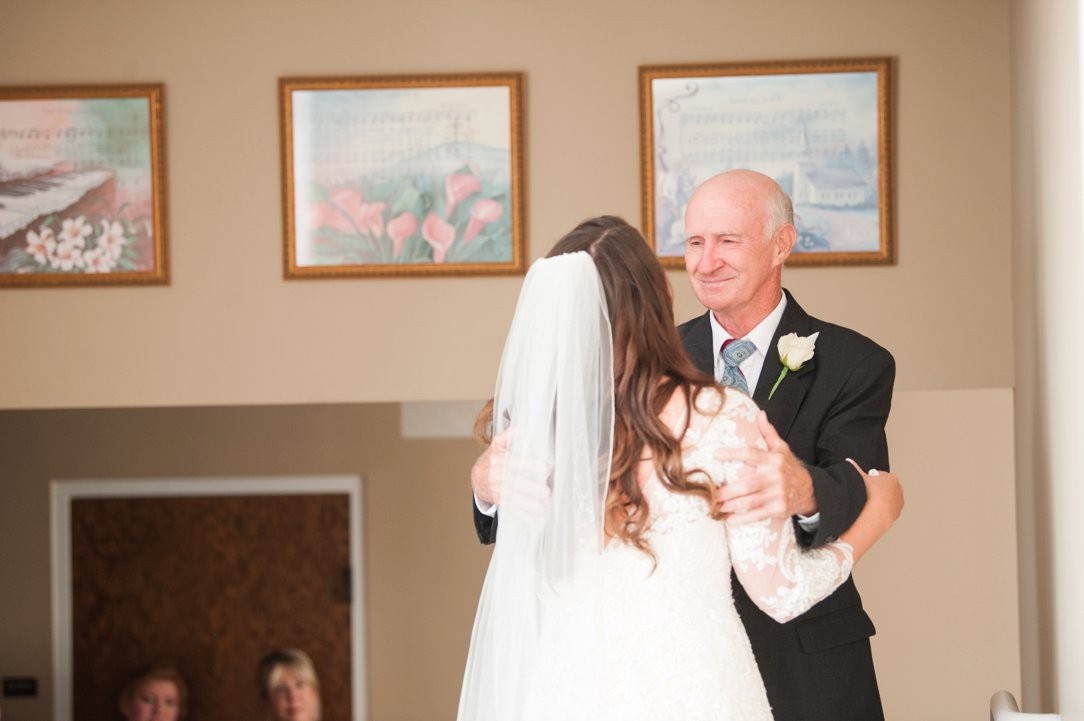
(780, 211)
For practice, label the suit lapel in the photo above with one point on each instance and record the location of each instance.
(698, 345)
(787, 399)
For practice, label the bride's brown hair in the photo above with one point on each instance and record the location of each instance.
(649, 365)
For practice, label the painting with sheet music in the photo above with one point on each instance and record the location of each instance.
(82, 176)
(402, 175)
(821, 128)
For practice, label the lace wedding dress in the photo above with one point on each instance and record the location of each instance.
(665, 641)
(568, 630)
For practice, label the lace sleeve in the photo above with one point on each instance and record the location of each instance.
(783, 579)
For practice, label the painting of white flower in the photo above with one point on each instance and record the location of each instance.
(82, 186)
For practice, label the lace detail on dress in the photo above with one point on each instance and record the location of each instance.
(714, 425)
(674, 646)
(801, 577)
(781, 577)
(670, 642)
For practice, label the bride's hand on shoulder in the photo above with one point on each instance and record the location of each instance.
(884, 494)
(884, 503)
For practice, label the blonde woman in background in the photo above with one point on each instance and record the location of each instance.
(289, 686)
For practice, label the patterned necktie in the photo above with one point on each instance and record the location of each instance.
(734, 352)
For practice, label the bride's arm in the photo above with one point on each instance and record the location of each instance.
(884, 503)
(785, 580)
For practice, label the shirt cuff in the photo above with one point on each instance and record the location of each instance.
(490, 509)
(809, 524)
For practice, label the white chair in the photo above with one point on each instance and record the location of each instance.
(1003, 708)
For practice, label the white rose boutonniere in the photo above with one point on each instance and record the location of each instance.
(794, 351)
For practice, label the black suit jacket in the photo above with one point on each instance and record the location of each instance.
(818, 667)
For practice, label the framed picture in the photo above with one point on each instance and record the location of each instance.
(82, 186)
(403, 175)
(822, 129)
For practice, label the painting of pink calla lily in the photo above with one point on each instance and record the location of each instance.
(403, 176)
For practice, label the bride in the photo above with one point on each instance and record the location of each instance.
(608, 593)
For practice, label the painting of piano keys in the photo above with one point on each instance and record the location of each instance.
(82, 197)
(402, 175)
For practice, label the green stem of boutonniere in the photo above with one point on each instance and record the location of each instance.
(778, 380)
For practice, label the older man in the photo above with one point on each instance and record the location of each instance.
(739, 230)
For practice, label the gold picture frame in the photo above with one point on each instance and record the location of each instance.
(822, 128)
(403, 175)
(83, 186)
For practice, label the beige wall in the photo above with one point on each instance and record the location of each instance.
(229, 331)
(940, 581)
(941, 587)
(423, 563)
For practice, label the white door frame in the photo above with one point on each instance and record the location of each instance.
(63, 492)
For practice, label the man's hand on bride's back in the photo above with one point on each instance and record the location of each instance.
(485, 476)
(529, 494)
(772, 482)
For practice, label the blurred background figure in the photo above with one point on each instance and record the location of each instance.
(154, 693)
(289, 686)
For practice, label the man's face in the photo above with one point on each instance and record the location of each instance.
(155, 700)
(731, 261)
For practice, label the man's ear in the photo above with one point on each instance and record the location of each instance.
(783, 242)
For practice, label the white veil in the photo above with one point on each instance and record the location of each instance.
(554, 396)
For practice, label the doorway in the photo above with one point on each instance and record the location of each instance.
(207, 575)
